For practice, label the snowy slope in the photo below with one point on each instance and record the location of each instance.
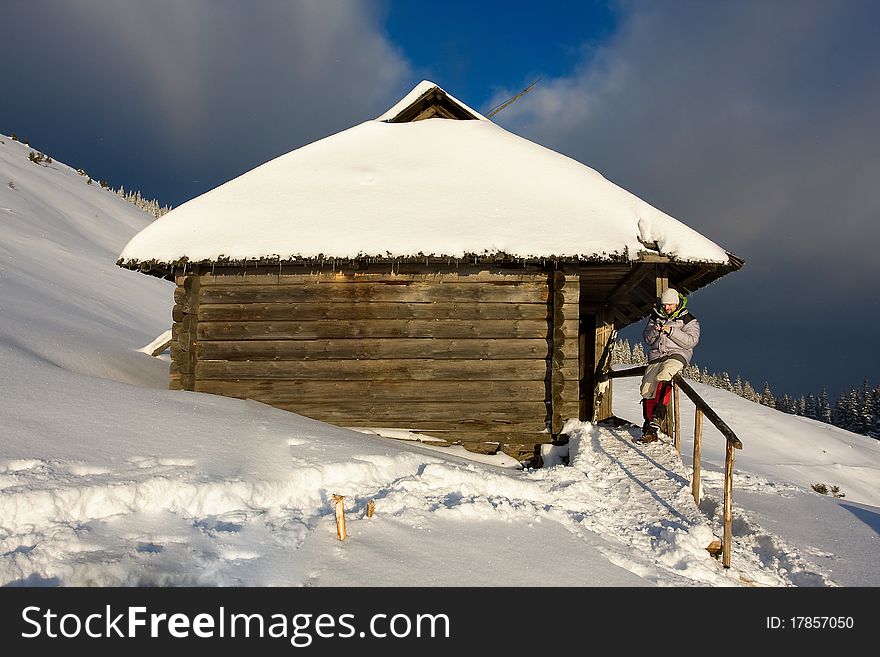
(107, 478)
(63, 301)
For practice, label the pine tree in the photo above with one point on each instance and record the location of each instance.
(615, 352)
(625, 354)
(846, 410)
(786, 404)
(639, 356)
(865, 412)
(738, 386)
(750, 393)
(838, 413)
(823, 408)
(874, 429)
(810, 407)
(725, 381)
(691, 372)
(767, 398)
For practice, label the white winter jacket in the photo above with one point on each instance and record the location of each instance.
(681, 340)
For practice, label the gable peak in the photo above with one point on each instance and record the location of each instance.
(429, 101)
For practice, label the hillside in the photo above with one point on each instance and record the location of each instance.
(107, 478)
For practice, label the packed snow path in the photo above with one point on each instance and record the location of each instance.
(161, 522)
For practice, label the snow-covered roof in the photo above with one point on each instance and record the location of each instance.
(437, 187)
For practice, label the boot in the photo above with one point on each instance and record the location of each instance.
(650, 431)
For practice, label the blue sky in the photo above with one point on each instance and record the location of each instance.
(752, 121)
(480, 48)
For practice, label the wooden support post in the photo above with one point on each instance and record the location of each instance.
(340, 516)
(597, 331)
(564, 363)
(666, 422)
(698, 437)
(190, 325)
(586, 377)
(371, 508)
(728, 505)
(676, 417)
(565, 366)
(662, 278)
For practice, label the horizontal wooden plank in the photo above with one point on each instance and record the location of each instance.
(371, 348)
(569, 410)
(378, 328)
(570, 370)
(320, 390)
(376, 370)
(503, 424)
(497, 292)
(455, 414)
(268, 277)
(212, 312)
(498, 434)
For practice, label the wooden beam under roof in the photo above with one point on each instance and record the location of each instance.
(630, 281)
(436, 98)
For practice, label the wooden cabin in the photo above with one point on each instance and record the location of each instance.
(454, 301)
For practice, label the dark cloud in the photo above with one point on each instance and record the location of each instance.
(163, 92)
(754, 123)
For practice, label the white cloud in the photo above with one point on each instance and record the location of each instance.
(749, 121)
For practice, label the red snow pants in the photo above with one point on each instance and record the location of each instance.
(655, 408)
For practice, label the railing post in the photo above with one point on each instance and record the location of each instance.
(676, 417)
(728, 505)
(698, 437)
(732, 442)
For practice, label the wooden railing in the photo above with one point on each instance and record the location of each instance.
(702, 408)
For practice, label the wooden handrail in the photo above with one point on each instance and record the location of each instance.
(731, 439)
(616, 374)
(700, 403)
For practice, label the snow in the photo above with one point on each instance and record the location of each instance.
(435, 187)
(160, 340)
(109, 479)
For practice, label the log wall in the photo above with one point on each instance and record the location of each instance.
(487, 359)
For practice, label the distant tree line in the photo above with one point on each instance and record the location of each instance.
(151, 206)
(856, 410)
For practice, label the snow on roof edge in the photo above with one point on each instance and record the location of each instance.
(732, 261)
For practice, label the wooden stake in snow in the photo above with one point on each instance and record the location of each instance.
(371, 506)
(340, 516)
